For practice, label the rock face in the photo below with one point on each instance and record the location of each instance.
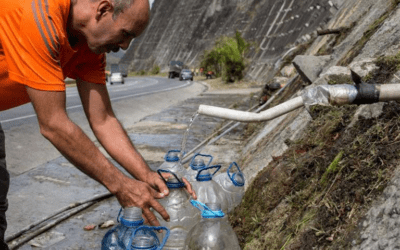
(309, 67)
(182, 30)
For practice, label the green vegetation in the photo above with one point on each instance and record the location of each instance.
(332, 168)
(155, 70)
(227, 58)
(391, 63)
(315, 194)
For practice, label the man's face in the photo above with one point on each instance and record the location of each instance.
(107, 34)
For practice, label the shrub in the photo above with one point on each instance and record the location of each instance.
(227, 58)
(155, 70)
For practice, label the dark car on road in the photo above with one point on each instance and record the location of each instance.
(186, 74)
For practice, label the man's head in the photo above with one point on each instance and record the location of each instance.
(108, 25)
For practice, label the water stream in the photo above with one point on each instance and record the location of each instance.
(186, 135)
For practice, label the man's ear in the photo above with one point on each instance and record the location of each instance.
(104, 7)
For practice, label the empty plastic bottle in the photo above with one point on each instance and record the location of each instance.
(183, 216)
(197, 163)
(131, 234)
(233, 185)
(213, 232)
(172, 163)
(145, 238)
(207, 190)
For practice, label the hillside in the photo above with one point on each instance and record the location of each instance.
(182, 30)
(319, 178)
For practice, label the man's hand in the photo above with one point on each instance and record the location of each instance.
(154, 180)
(134, 193)
(189, 189)
(70, 140)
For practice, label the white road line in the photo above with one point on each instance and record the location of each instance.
(112, 99)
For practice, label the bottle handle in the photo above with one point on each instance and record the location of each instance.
(149, 228)
(206, 212)
(202, 155)
(119, 215)
(160, 171)
(231, 176)
(209, 177)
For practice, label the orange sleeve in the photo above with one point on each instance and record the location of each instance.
(32, 43)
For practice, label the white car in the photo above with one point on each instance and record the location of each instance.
(116, 77)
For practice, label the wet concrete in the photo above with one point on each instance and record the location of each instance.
(57, 183)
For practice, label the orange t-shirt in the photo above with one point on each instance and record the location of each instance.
(34, 50)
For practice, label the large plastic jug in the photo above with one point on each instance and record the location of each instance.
(213, 232)
(173, 164)
(207, 190)
(183, 216)
(233, 185)
(145, 238)
(127, 236)
(197, 163)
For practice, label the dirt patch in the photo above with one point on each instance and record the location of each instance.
(317, 192)
(218, 84)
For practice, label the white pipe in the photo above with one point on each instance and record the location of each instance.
(244, 116)
(320, 95)
(389, 92)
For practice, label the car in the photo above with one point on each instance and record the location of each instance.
(186, 74)
(116, 77)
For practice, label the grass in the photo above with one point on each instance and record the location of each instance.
(333, 168)
(287, 206)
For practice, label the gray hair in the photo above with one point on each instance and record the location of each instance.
(120, 6)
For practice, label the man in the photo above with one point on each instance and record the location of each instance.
(44, 41)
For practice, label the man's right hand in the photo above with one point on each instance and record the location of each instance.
(134, 193)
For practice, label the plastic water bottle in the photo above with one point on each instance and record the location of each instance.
(172, 163)
(131, 234)
(145, 238)
(183, 216)
(233, 185)
(197, 163)
(207, 190)
(213, 232)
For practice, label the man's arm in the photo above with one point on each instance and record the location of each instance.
(113, 138)
(72, 142)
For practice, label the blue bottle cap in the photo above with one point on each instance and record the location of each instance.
(172, 155)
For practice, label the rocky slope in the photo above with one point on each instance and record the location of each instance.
(325, 178)
(182, 30)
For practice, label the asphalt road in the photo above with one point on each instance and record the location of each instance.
(133, 87)
(139, 97)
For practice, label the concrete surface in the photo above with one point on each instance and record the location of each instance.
(41, 190)
(26, 148)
